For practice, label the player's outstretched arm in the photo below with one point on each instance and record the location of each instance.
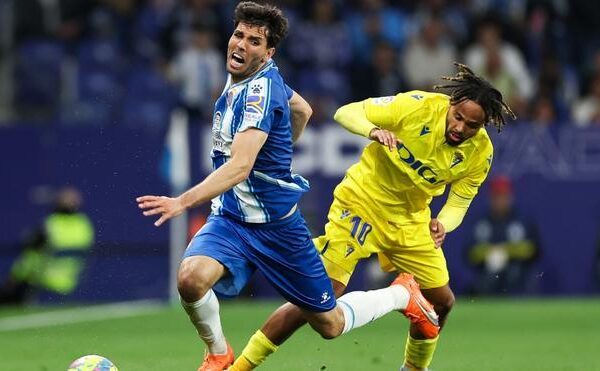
(354, 119)
(244, 149)
(168, 207)
(300, 113)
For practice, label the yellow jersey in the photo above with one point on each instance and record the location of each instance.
(399, 185)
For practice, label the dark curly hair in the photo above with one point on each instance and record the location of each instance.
(267, 16)
(467, 85)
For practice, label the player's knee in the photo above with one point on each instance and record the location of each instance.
(191, 284)
(329, 326)
(329, 332)
(444, 305)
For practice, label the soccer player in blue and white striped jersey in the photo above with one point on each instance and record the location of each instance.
(255, 222)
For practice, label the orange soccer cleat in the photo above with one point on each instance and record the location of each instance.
(218, 362)
(419, 311)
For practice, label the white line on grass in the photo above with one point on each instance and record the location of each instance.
(78, 315)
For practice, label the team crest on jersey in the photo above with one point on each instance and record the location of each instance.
(382, 101)
(231, 94)
(457, 158)
(349, 250)
(229, 98)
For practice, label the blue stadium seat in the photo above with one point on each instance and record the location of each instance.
(87, 113)
(38, 74)
(98, 85)
(145, 114)
(102, 54)
(145, 83)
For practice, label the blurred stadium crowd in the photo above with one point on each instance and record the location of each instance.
(129, 62)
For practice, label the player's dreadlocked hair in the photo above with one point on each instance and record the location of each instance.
(467, 85)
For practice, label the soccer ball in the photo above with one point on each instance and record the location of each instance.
(92, 363)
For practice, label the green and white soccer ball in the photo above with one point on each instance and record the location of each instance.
(92, 362)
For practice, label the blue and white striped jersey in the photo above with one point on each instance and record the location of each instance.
(271, 190)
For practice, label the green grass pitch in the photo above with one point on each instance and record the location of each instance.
(517, 334)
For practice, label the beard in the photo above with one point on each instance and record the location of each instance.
(453, 142)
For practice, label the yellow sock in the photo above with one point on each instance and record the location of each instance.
(259, 347)
(419, 353)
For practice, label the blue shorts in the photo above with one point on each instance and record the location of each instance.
(283, 251)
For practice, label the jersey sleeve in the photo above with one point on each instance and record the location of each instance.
(288, 92)
(389, 112)
(258, 106)
(468, 186)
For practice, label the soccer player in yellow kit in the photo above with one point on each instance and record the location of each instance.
(382, 205)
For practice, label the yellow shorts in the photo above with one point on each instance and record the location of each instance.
(353, 234)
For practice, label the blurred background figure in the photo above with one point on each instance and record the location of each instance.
(320, 53)
(428, 56)
(586, 111)
(501, 63)
(198, 69)
(374, 20)
(543, 112)
(381, 76)
(53, 256)
(504, 245)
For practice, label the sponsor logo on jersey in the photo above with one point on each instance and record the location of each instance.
(217, 121)
(255, 104)
(345, 214)
(218, 142)
(423, 170)
(425, 130)
(252, 118)
(382, 101)
(417, 96)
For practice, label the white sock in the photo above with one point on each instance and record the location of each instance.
(362, 307)
(204, 314)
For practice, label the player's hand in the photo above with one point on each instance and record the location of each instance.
(437, 231)
(167, 207)
(385, 137)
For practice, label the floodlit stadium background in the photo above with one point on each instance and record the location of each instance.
(99, 94)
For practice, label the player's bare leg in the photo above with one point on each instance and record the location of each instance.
(354, 310)
(442, 299)
(288, 318)
(280, 325)
(196, 277)
(419, 348)
(358, 308)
